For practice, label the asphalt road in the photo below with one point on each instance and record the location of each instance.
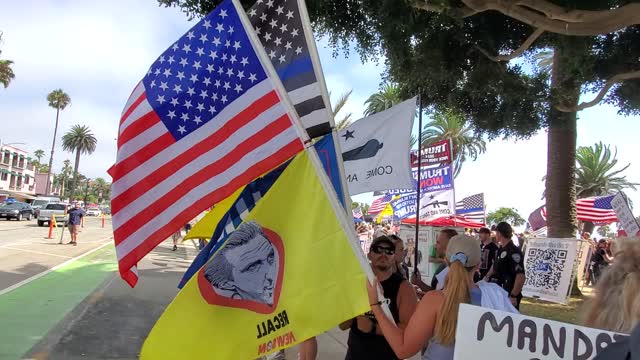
(26, 252)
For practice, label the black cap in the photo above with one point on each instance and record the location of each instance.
(382, 239)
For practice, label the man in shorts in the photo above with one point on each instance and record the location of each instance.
(75, 219)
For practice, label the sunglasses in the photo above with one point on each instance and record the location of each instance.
(382, 249)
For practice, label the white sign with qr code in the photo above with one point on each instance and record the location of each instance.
(548, 265)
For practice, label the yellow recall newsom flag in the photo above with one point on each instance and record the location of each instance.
(286, 274)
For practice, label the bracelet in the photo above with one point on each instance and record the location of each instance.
(384, 301)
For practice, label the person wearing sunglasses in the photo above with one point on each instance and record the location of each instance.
(366, 341)
(435, 319)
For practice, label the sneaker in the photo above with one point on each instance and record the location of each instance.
(175, 247)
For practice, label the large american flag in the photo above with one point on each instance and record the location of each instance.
(596, 209)
(204, 121)
(290, 45)
(380, 203)
(472, 208)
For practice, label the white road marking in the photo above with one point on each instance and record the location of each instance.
(35, 252)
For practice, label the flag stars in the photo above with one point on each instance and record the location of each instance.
(224, 99)
(263, 17)
(171, 114)
(177, 88)
(187, 104)
(207, 24)
(298, 50)
(258, 30)
(163, 85)
(186, 48)
(182, 129)
(217, 84)
(270, 4)
(200, 107)
(210, 68)
(229, 72)
(267, 36)
(224, 57)
(220, 71)
(273, 23)
(174, 101)
(227, 44)
(190, 35)
(278, 41)
(252, 12)
(167, 72)
(240, 75)
(289, 15)
(171, 60)
(282, 58)
(216, 41)
(194, 78)
(253, 77)
(180, 75)
(233, 59)
(220, 28)
(283, 28)
(200, 51)
(288, 45)
(175, 47)
(214, 96)
(231, 30)
(226, 86)
(157, 72)
(191, 91)
(203, 94)
(238, 88)
(162, 59)
(213, 55)
(280, 10)
(203, 38)
(244, 61)
(196, 65)
(184, 117)
(212, 109)
(153, 84)
(197, 120)
(294, 32)
(160, 99)
(184, 62)
(223, 13)
(207, 81)
(272, 54)
(236, 45)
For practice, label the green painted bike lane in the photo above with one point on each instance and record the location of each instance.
(28, 312)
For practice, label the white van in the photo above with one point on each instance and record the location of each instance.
(41, 202)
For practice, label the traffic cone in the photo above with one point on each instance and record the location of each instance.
(52, 223)
(103, 220)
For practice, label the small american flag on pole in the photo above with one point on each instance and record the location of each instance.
(472, 207)
(357, 213)
(380, 203)
(205, 120)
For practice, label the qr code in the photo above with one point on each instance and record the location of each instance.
(545, 268)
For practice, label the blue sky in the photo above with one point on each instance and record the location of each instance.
(97, 52)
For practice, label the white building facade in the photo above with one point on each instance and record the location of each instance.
(17, 174)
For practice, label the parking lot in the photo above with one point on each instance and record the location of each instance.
(26, 252)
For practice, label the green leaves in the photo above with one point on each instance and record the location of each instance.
(58, 99)
(595, 173)
(509, 215)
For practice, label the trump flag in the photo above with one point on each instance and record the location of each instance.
(208, 118)
(292, 256)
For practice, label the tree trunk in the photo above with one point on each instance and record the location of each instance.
(75, 175)
(588, 226)
(53, 147)
(561, 148)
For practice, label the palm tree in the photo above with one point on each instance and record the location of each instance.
(345, 120)
(101, 189)
(58, 100)
(387, 97)
(451, 125)
(39, 154)
(595, 174)
(544, 60)
(66, 172)
(6, 73)
(82, 141)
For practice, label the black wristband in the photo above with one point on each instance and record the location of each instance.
(384, 301)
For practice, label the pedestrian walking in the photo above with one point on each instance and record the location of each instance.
(508, 267)
(73, 223)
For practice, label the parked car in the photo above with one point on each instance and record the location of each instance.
(93, 212)
(58, 210)
(16, 210)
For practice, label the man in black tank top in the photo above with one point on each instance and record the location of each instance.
(366, 341)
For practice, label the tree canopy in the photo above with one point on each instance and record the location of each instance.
(596, 173)
(509, 215)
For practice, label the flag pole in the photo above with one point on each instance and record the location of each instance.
(455, 212)
(415, 249)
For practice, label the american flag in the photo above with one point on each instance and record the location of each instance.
(289, 44)
(357, 213)
(538, 218)
(204, 121)
(596, 209)
(471, 207)
(379, 204)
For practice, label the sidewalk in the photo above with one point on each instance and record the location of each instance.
(113, 321)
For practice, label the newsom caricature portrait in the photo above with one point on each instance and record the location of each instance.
(248, 268)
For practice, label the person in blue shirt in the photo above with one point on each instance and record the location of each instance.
(75, 219)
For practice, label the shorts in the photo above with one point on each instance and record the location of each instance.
(74, 229)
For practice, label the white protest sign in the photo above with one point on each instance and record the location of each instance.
(549, 265)
(491, 334)
(625, 216)
(426, 244)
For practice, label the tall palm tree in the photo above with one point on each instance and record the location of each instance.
(66, 173)
(82, 141)
(39, 154)
(58, 100)
(6, 73)
(451, 125)
(345, 120)
(595, 174)
(388, 96)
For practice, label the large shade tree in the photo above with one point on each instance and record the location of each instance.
(78, 139)
(58, 100)
(460, 54)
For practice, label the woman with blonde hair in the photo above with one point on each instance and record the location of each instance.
(435, 319)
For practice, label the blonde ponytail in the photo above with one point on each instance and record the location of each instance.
(456, 292)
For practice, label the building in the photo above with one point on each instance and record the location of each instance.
(17, 174)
